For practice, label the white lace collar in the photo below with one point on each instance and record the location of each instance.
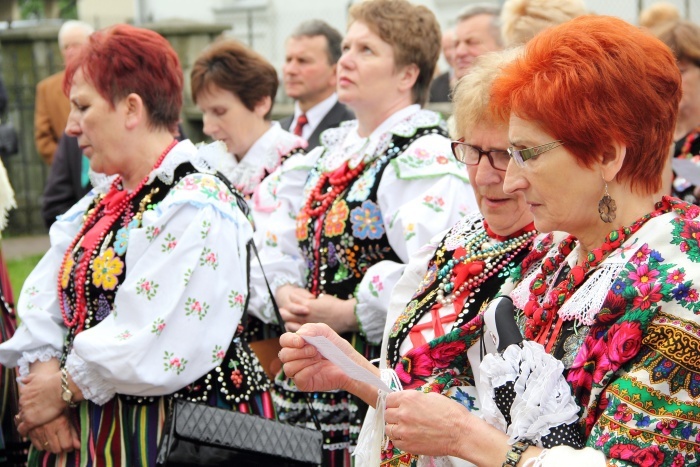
(344, 143)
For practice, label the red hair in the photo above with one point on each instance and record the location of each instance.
(594, 81)
(124, 59)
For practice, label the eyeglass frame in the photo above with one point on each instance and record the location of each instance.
(520, 158)
(461, 142)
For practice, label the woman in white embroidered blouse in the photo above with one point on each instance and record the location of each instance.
(133, 271)
(374, 191)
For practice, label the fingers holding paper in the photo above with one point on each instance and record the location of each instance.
(312, 372)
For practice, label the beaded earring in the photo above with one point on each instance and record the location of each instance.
(607, 207)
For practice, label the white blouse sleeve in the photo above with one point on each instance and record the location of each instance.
(275, 231)
(181, 300)
(423, 192)
(41, 332)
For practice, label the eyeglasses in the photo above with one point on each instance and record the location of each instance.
(522, 155)
(471, 155)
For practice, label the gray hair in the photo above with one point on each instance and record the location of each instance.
(71, 25)
(476, 9)
(317, 27)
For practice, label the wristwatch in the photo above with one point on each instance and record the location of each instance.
(66, 393)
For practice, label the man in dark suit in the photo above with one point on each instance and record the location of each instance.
(309, 74)
(441, 87)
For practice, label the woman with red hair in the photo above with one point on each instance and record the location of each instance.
(612, 308)
(134, 270)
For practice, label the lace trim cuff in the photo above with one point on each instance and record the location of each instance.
(90, 384)
(43, 354)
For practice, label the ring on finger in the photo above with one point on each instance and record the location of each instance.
(391, 430)
(46, 443)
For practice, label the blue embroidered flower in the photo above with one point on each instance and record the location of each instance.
(466, 400)
(367, 221)
(361, 188)
(680, 293)
(687, 432)
(122, 237)
(657, 256)
(618, 286)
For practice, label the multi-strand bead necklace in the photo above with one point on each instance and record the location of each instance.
(92, 234)
(479, 252)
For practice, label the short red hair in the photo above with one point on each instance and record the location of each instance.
(124, 59)
(593, 81)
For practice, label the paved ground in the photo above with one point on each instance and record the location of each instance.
(21, 247)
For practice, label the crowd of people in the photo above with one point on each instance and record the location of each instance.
(549, 201)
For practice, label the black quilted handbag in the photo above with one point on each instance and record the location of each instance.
(197, 434)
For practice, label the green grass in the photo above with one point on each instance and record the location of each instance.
(19, 269)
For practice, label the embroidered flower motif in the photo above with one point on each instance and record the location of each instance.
(409, 232)
(152, 232)
(122, 336)
(641, 255)
(197, 308)
(169, 244)
(122, 237)
(208, 258)
(442, 160)
(236, 375)
(677, 276)
(158, 326)
(206, 227)
(236, 299)
(376, 286)
(147, 288)
(644, 457)
(225, 196)
(618, 286)
(643, 275)
(334, 224)
(602, 440)
(270, 239)
(434, 202)
(106, 268)
(367, 221)
(360, 190)
(302, 226)
(623, 413)
(103, 308)
(648, 295)
(187, 184)
(173, 363)
(421, 154)
(680, 293)
(217, 355)
(65, 274)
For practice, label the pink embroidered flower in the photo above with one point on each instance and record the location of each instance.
(692, 295)
(442, 160)
(220, 354)
(676, 276)
(602, 440)
(648, 295)
(624, 342)
(641, 255)
(377, 281)
(667, 426)
(678, 461)
(643, 275)
(160, 327)
(623, 413)
(422, 154)
(175, 362)
(146, 285)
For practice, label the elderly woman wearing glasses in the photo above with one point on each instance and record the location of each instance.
(446, 283)
(615, 302)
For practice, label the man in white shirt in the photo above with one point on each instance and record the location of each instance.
(309, 75)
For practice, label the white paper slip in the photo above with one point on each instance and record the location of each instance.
(342, 361)
(687, 169)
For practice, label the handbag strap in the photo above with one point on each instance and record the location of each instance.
(243, 206)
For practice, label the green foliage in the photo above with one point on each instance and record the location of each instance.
(34, 9)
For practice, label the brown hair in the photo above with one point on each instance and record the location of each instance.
(683, 38)
(232, 66)
(411, 30)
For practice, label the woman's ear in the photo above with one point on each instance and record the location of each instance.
(612, 161)
(134, 110)
(263, 106)
(409, 76)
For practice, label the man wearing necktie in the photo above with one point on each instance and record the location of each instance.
(309, 75)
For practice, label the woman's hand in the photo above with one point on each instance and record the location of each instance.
(56, 436)
(339, 314)
(292, 303)
(39, 400)
(312, 372)
(416, 422)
